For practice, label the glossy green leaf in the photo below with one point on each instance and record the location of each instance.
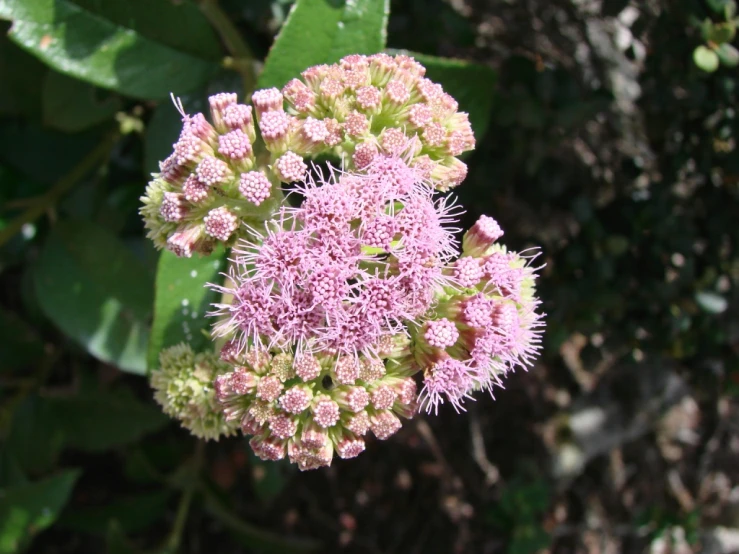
(471, 84)
(728, 54)
(182, 299)
(27, 509)
(323, 31)
(96, 291)
(119, 45)
(705, 58)
(71, 105)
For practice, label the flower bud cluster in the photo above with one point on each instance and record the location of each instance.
(183, 386)
(210, 184)
(484, 325)
(357, 110)
(367, 105)
(308, 407)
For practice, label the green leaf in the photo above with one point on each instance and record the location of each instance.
(722, 32)
(20, 346)
(27, 509)
(98, 420)
(324, 31)
(728, 54)
(96, 291)
(142, 48)
(705, 58)
(70, 105)
(471, 84)
(181, 301)
(93, 421)
(34, 439)
(117, 542)
(11, 473)
(718, 6)
(23, 76)
(131, 514)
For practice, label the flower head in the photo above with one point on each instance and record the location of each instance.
(183, 386)
(304, 413)
(196, 199)
(367, 96)
(488, 328)
(362, 254)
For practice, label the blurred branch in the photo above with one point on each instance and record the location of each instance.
(50, 197)
(242, 59)
(479, 454)
(251, 534)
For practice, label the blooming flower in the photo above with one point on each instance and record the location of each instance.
(488, 328)
(336, 308)
(363, 254)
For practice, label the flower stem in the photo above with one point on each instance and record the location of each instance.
(48, 199)
(242, 59)
(191, 476)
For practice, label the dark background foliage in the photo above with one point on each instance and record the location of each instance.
(607, 145)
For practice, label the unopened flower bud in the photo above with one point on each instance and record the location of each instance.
(183, 386)
(481, 237)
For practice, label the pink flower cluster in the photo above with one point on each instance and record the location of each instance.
(366, 106)
(484, 326)
(365, 263)
(362, 255)
(363, 108)
(334, 311)
(309, 407)
(209, 185)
